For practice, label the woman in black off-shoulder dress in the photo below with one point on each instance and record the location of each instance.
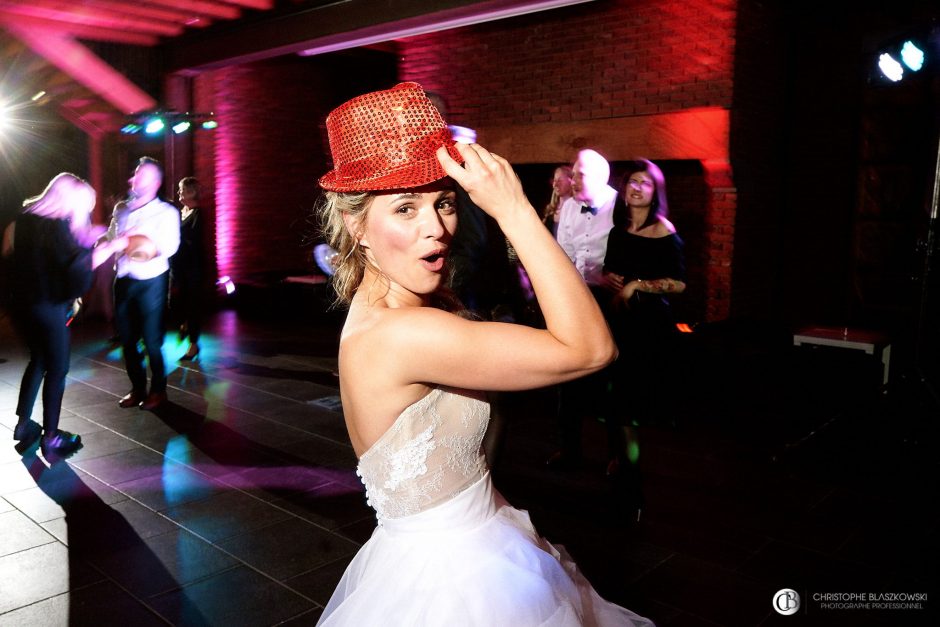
(645, 260)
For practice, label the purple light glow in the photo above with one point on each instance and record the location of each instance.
(334, 481)
(228, 155)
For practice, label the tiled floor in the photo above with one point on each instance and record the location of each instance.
(237, 503)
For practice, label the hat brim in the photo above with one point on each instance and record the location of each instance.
(413, 174)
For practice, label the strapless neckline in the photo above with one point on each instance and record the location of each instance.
(407, 410)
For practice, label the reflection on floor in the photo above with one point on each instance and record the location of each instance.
(237, 503)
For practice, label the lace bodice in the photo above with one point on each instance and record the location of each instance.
(431, 453)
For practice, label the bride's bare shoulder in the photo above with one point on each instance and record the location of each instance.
(373, 383)
(378, 324)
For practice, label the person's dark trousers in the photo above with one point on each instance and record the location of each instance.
(48, 339)
(187, 304)
(139, 309)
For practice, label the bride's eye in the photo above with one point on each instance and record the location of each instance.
(447, 205)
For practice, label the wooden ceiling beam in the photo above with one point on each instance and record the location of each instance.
(262, 5)
(68, 13)
(93, 127)
(140, 9)
(85, 67)
(199, 8)
(93, 33)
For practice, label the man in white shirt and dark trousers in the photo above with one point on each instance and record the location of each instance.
(141, 283)
(585, 222)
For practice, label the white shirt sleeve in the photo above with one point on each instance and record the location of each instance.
(167, 232)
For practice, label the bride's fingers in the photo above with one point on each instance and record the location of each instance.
(471, 154)
(453, 169)
(486, 156)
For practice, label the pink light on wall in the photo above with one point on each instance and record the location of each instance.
(267, 157)
(227, 156)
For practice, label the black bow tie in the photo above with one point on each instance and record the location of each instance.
(587, 208)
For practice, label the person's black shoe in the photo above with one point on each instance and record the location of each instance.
(131, 399)
(60, 445)
(153, 401)
(26, 433)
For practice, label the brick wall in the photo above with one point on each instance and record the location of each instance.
(591, 61)
(630, 64)
(261, 165)
(265, 155)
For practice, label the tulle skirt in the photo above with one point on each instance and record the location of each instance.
(474, 560)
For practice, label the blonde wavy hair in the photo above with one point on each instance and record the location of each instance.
(351, 259)
(59, 198)
(548, 214)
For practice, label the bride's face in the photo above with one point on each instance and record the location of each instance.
(407, 235)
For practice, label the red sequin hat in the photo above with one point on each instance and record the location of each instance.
(386, 140)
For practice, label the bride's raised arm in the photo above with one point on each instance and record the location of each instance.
(436, 347)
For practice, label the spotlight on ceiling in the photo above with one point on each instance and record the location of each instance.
(210, 124)
(181, 127)
(890, 68)
(154, 126)
(130, 129)
(912, 56)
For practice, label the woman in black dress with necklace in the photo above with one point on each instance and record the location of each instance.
(645, 262)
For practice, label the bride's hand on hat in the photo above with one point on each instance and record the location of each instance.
(488, 178)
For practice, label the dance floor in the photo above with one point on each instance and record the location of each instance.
(237, 502)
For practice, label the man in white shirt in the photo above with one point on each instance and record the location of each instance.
(588, 216)
(584, 225)
(140, 286)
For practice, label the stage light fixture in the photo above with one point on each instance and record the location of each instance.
(154, 126)
(157, 121)
(890, 67)
(912, 56)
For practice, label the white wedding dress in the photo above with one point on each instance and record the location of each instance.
(448, 549)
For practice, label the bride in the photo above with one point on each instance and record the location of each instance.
(448, 549)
